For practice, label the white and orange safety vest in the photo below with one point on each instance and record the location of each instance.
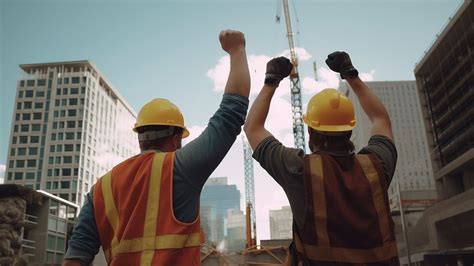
(133, 207)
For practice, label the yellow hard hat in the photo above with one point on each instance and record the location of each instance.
(160, 112)
(330, 111)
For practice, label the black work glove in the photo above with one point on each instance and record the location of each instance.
(277, 69)
(340, 62)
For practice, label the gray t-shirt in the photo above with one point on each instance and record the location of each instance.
(285, 166)
(193, 164)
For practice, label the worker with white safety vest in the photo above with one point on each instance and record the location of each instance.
(145, 211)
(339, 200)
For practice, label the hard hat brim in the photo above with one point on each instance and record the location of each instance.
(185, 130)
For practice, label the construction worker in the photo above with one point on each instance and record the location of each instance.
(338, 198)
(145, 211)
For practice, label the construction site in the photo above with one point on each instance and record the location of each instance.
(70, 126)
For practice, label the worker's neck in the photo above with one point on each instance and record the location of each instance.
(334, 148)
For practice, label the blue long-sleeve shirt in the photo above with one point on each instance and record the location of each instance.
(193, 164)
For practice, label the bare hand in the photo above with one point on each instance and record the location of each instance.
(232, 40)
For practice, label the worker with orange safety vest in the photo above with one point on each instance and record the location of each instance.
(339, 200)
(145, 211)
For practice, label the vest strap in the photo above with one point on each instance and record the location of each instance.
(319, 199)
(377, 195)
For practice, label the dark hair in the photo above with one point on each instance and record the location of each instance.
(177, 130)
(330, 142)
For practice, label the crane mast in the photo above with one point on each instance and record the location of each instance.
(249, 195)
(295, 86)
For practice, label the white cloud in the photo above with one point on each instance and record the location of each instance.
(301, 53)
(2, 173)
(367, 76)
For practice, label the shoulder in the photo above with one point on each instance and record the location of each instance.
(384, 151)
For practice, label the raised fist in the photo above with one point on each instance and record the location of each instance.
(231, 40)
(340, 62)
(277, 69)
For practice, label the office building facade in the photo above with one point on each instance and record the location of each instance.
(70, 126)
(217, 197)
(281, 222)
(400, 98)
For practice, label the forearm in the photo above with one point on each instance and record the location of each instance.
(255, 125)
(239, 76)
(371, 104)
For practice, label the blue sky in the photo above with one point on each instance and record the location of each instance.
(170, 49)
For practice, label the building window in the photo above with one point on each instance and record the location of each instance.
(65, 184)
(17, 117)
(71, 113)
(22, 83)
(62, 113)
(39, 93)
(64, 91)
(31, 163)
(41, 82)
(37, 116)
(23, 139)
(12, 164)
(69, 135)
(51, 148)
(61, 125)
(30, 82)
(33, 151)
(60, 136)
(66, 80)
(36, 127)
(68, 147)
(18, 106)
(51, 160)
(71, 124)
(34, 139)
(28, 93)
(75, 80)
(67, 159)
(38, 105)
(78, 135)
(55, 124)
(74, 90)
(50, 172)
(15, 128)
(27, 105)
(73, 101)
(20, 163)
(21, 151)
(30, 175)
(48, 185)
(25, 128)
(12, 152)
(18, 175)
(59, 148)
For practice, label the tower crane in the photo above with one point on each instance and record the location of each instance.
(249, 195)
(295, 85)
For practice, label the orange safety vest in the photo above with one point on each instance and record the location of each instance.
(133, 207)
(347, 214)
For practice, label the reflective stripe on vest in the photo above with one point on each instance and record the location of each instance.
(150, 240)
(323, 251)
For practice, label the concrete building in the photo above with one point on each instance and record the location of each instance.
(414, 170)
(281, 222)
(35, 226)
(70, 126)
(235, 230)
(445, 80)
(217, 197)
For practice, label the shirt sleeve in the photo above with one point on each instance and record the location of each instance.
(84, 243)
(195, 162)
(284, 164)
(384, 149)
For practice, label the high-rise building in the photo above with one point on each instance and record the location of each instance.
(413, 171)
(445, 80)
(281, 222)
(235, 230)
(217, 197)
(70, 126)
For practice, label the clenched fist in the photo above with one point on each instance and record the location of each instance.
(277, 69)
(232, 40)
(340, 62)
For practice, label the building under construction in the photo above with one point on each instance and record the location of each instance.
(445, 80)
